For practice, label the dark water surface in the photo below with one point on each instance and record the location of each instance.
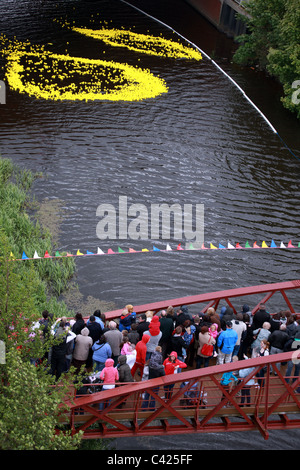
(201, 143)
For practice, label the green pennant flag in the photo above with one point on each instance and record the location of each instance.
(247, 245)
(191, 247)
(120, 250)
(57, 253)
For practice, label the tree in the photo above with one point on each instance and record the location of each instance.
(30, 408)
(30, 405)
(273, 44)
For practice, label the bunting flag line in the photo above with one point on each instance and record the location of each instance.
(168, 248)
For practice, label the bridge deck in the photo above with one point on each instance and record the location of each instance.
(160, 406)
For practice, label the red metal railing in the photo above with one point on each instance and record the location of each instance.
(162, 405)
(213, 299)
(193, 401)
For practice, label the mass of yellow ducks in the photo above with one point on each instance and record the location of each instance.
(46, 75)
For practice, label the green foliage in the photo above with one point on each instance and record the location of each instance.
(30, 405)
(25, 234)
(273, 43)
(30, 408)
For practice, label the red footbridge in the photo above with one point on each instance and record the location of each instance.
(194, 401)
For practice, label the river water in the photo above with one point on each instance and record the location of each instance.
(200, 143)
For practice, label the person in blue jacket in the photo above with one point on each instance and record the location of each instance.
(101, 352)
(226, 341)
(127, 318)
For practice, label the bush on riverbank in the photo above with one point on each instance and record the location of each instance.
(27, 235)
(29, 404)
(273, 44)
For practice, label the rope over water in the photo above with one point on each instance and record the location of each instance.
(219, 68)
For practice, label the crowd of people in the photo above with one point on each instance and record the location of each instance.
(138, 347)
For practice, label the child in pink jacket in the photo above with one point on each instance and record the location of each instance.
(109, 375)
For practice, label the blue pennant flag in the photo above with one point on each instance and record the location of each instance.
(221, 246)
(24, 256)
(273, 244)
(155, 249)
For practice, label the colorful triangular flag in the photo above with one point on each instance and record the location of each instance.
(221, 247)
(290, 245)
(36, 255)
(230, 247)
(155, 249)
(110, 251)
(46, 255)
(12, 256)
(120, 250)
(203, 247)
(89, 252)
(264, 245)
(213, 247)
(282, 245)
(131, 250)
(57, 253)
(145, 249)
(247, 245)
(179, 247)
(79, 253)
(255, 245)
(24, 256)
(100, 252)
(191, 247)
(273, 244)
(168, 248)
(238, 245)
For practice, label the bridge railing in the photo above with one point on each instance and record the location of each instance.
(260, 294)
(195, 401)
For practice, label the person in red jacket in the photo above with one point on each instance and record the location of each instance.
(172, 364)
(140, 360)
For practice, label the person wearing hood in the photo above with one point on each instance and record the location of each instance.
(171, 365)
(109, 375)
(124, 369)
(83, 344)
(141, 351)
(228, 316)
(155, 336)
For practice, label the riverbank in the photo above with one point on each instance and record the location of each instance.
(22, 230)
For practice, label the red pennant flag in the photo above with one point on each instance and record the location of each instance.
(131, 250)
(255, 245)
(238, 245)
(203, 247)
(290, 244)
(46, 255)
(110, 252)
(179, 247)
